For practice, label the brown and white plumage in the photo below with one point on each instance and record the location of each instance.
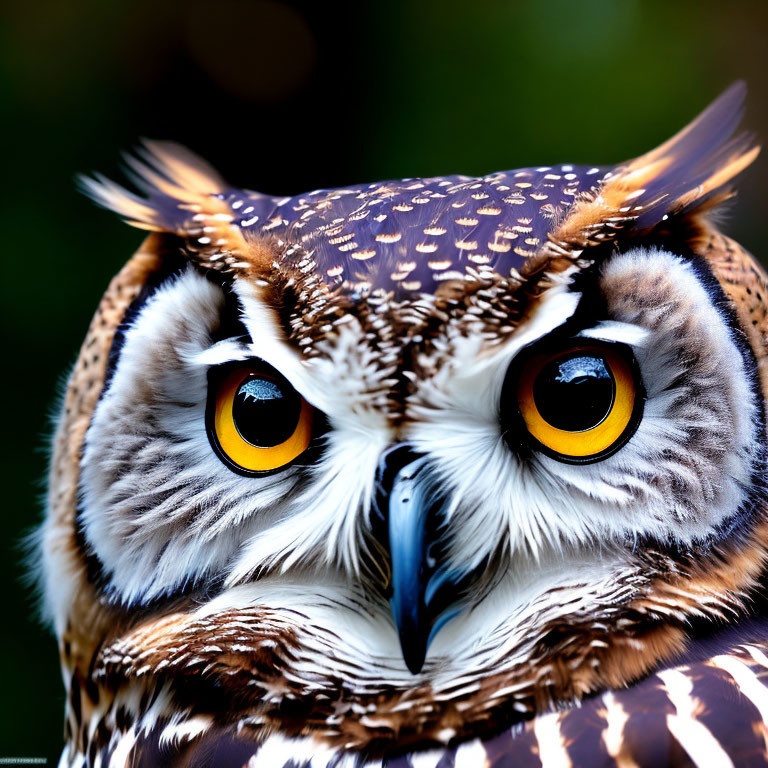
(203, 611)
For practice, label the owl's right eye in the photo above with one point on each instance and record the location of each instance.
(257, 422)
(580, 401)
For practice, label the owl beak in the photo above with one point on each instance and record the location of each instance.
(422, 591)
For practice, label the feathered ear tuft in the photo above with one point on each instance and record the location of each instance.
(693, 168)
(170, 176)
(184, 196)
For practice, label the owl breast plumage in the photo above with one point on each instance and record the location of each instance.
(447, 471)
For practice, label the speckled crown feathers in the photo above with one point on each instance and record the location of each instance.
(409, 236)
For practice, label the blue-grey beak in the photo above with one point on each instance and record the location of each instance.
(423, 592)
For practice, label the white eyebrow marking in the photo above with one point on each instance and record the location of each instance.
(612, 330)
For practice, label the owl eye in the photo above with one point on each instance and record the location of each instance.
(257, 422)
(580, 403)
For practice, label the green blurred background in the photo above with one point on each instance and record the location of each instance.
(285, 97)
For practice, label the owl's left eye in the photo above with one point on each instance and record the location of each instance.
(579, 402)
(257, 422)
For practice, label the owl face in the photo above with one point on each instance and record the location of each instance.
(188, 481)
(472, 444)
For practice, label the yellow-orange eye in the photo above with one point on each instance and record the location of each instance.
(581, 403)
(256, 420)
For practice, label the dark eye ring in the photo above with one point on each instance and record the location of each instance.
(256, 421)
(579, 402)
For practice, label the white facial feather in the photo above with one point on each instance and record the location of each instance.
(161, 511)
(668, 481)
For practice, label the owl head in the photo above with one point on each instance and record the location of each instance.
(397, 463)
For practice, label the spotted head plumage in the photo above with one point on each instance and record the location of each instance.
(404, 465)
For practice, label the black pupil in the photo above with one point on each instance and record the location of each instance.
(265, 411)
(574, 393)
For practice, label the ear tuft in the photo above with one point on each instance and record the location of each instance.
(183, 195)
(691, 170)
(169, 175)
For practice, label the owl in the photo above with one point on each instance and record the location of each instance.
(435, 472)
